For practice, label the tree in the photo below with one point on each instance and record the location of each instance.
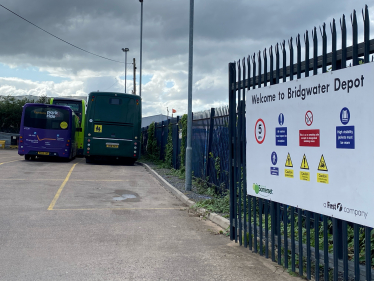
(11, 111)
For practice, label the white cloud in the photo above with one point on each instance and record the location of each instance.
(224, 31)
(18, 87)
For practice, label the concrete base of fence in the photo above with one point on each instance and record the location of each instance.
(217, 219)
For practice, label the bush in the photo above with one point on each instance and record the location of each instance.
(153, 152)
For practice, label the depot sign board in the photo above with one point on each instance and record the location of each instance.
(310, 143)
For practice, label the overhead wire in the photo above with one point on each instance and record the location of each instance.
(59, 37)
(112, 85)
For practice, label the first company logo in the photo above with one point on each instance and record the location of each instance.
(260, 188)
(339, 207)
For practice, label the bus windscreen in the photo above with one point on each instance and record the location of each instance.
(75, 106)
(46, 118)
(122, 109)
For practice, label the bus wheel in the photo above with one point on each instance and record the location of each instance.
(32, 157)
(27, 157)
(88, 160)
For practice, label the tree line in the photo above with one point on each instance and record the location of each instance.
(11, 111)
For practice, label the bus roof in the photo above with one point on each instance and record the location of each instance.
(113, 93)
(67, 99)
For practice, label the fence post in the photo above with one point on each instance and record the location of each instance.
(366, 34)
(177, 146)
(167, 136)
(232, 118)
(155, 134)
(210, 140)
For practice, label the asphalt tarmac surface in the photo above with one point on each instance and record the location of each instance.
(78, 221)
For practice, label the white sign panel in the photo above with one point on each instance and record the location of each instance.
(310, 143)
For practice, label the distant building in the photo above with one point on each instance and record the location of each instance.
(146, 121)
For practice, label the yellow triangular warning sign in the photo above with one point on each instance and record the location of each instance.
(304, 163)
(322, 164)
(288, 161)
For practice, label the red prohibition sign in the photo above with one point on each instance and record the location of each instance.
(260, 131)
(308, 118)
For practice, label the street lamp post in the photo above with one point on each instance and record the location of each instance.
(188, 181)
(125, 50)
(141, 46)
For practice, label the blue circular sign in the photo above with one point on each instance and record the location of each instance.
(274, 158)
(345, 116)
(281, 119)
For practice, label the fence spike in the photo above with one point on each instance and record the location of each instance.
(249, 72)
(259, 68)
(264, 55)
(354, 38)
(298, 47)
(283, 45)
(306, 36)
(331, 25)
(290, 45)
(333, 46)
(271, 65)
(243, 64)
(254, 71)
(366, 20)
(363, 15)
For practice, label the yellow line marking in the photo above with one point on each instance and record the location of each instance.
(109, 209)
(59, 180)
(61, 188)
(31, 179)
(9, 162)
(99, 180)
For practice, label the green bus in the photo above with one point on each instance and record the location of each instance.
(79, 107)
(113, 126)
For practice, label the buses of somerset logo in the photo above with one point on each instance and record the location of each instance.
(262, 190)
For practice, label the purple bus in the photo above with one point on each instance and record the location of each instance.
(48, 130)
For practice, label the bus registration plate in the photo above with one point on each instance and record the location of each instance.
(43, 153)
(112, 145)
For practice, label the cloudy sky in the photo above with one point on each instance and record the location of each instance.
(33, 62)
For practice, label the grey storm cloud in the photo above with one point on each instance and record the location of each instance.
(224, 31)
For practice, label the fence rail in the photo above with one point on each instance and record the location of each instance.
(288, 234)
